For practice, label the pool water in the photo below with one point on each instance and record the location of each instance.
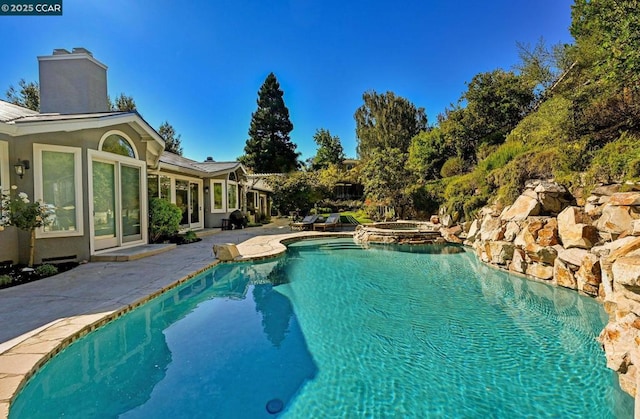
(334, 330)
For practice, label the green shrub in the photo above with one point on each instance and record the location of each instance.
(164, 219)
(46, 270)
(452, 167)
(189, 236)
(5, 280)
(617, 161)
(502, 155)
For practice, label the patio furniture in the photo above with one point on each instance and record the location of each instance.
(332, 221)
(305, 224)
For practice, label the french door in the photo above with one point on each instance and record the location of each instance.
(188, 200)
(118, 203)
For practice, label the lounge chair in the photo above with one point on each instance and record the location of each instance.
(305, 224)
(332, 221)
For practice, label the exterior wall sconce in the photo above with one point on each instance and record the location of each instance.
(206, 189)
(21, 167)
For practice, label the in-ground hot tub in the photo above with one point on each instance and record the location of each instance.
(400, 232)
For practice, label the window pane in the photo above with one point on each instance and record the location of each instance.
(59, 190)
(165, 188)
(130, 186)
(217, 196)
(232, 193)
(152, 186)
(118, 145)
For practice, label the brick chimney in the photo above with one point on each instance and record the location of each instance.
(72, 82)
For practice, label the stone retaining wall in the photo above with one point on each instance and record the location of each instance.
(593, 249)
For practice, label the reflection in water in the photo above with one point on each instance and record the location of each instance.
(192, 351)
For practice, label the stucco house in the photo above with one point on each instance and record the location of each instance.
(96, 169)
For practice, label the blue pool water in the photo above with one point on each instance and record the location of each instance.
(333, 330)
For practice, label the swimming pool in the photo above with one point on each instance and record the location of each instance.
(334, 330)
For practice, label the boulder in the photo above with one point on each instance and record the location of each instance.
(626, 271)
(593, 210)
(635, 228)
(620, 342)
(518, 263)
(511, 231)
(491, 228)
(589, 275)
(625, 198)
(573, 256)
(434, 219)
(447, 220)
(563, 275)
(529, 232)
(474, 229)
(540, 270)
(615, 219)
(523, 207)
(573, 231)
(500, 252)
(548, 235)
(542, 254)
(226, 252)
(607, 190)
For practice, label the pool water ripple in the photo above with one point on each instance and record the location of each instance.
(334, 330)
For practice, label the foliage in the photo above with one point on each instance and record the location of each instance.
(465, 194)
(427, 153)
(386, 179)
(46, 270)
(452, 167)
(171, 139)
(269, 148)
(5, 280)
(164, 219)
(123, 103)
(549, 125)
(329, 151)
(17, 210)
(296, 191)
(28, 96)
(541, 66)
(387, 121)
(427, 198)
(618, 161)
(501, 156)
(189, 236)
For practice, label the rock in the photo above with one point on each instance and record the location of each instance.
(626, 271)
(604, 200)
(625, 199)
(608, 247)
(542, 254)
(491, 228)
(627, 246)
(635, 228)
(226, 252)
(593, 199)
(473, 230)
(607, 189)
(563, 275)
(524, 207)
(451, 234)
(615, 219)
(548, 235)
(551, 204)
(529, 232)
(540, 271)
(549, 187)
(518, 263)
(620, 342)
(500, 252)
(434, 219)
(589, 275)
(573, 231)
(447, 220)
(511, 231)
(593, 210)
(573, 256)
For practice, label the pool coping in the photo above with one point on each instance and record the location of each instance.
(23, 356)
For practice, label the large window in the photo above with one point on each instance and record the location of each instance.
(58, 185)
(117, 144)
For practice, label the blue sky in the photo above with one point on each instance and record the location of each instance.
(199, 64)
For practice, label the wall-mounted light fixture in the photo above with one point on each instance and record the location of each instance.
(206, 189)
(20, 167)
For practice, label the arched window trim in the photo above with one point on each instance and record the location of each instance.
(124, 137)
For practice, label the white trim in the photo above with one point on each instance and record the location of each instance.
(124, 137)
(118, 160)
(72, 56)
(39, 192)
(4, 166)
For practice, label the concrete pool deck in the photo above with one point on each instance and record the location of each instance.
(43, 317)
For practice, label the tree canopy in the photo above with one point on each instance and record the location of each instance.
(329, 150)
(123, 103)
(28, 96)
(387, 121)
(171, 139)
(269, 148)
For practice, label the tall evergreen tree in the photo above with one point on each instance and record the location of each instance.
(123, 103)
(329, 150)
(269, 148)
(171, 139)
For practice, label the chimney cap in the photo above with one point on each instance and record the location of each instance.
(209, 159)
(80, 50)
(60, 51)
